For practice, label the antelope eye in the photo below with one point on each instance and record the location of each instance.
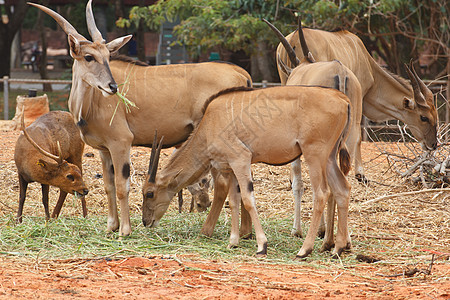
(89, 58)
(70, 177)
(424, 119)
(149, 195)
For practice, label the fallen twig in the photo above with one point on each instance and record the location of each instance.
(412, 272)
(405, 194)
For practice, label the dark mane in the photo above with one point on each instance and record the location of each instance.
(223, 92)
(338, 29)
(128, 59)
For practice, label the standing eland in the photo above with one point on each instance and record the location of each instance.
(168, 99)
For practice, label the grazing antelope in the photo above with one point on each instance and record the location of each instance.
(331, 74)
(50, 152)
(275, 126)
(167, 98)
(385, 96)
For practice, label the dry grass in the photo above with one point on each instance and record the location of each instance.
(397, 230)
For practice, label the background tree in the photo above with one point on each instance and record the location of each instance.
(8, 28)
(43, 55)
(392, 30)
(119, 11)
(221, 25)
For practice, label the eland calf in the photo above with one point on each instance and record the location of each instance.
(275, 126)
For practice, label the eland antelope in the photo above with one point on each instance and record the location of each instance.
(275, 126)
(373, 92)
(168, 99)
(385, 96)
(331, 74)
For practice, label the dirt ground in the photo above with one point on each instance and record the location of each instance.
(193, 277)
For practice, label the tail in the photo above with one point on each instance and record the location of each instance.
(344, 156)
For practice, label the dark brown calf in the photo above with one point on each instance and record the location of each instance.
(50, 152)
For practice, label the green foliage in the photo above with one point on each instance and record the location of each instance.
(205, 24)
(394, 30)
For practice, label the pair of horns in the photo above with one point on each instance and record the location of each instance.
(290, 51)
(419, 87)
(69, 29)
(58, 159)
(154, 158)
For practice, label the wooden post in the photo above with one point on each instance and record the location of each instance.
(5, 98)
(364, 129)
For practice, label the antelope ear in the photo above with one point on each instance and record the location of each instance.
(408, 104)
(41, 163)
(118, 43)
(74, 44)
(284, 68)
(47, 166)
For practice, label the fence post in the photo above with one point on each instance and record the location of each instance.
(5, 98)
(264, 84)
(364, 124)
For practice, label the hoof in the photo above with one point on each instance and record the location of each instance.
(301, 256)
(125, 231)
(207, 233)
(263, 252)
(112, 226)
(326, 247)
(296, 233)
(321, 233)
(247, 236)
(232, 246)
(337, 253)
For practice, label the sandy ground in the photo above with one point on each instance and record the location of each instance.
(192, 277)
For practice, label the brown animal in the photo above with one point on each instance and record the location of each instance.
(274, 126)
(331, 74)
(168, 99)
(385, 96)
(200, 195)
(50, 152)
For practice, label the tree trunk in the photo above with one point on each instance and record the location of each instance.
(7, 32)
(120, 13)
(261, 57)
(140, 36)
(47, 87)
